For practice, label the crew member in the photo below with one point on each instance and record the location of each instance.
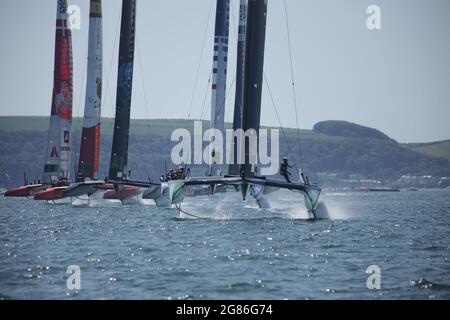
(284, 169)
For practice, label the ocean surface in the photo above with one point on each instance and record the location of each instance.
(236, 252)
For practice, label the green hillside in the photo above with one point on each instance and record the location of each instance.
(137, 127)
(341, 149)
(439, 149)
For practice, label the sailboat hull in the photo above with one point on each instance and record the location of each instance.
(50, 194)
(123, 194)
(152, 193)
(84, 188)
(24, 191)
(67, 192)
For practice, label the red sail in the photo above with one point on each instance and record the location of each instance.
(58, 152)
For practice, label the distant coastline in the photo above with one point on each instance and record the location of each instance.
(347, 154)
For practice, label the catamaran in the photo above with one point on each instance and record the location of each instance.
(247, 178)
(118, 170)
(86, 178)
(247, 117)
(58, 152)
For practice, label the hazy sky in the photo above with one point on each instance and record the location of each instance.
(396, 79)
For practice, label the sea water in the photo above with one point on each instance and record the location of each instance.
(234, 251)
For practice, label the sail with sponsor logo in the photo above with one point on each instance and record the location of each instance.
(248, 180)
(58, 152)
(219, 79)
(90, 137)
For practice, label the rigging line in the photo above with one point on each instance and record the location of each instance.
(199, 62)
(229, 90)
(149, 129)
(108, 76)
(197, 75)
(227, 94)
(279, 121)
(188, 157)
(231, 87)
(205, 98)
(77, 104)
(204, 112)
(293, 87)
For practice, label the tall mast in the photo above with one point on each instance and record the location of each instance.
(219, 77)
(90, 137)
(58, 152)
(239, 98)
(119, 154)
(253, 79)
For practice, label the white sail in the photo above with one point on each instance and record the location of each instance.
(90, 137)
(219, 78)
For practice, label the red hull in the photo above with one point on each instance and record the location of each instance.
(50, 194)
(23, 191)
(106, 186)
(125, 193)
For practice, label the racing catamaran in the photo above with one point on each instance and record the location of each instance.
(247, 117)
(118, 170)
(58, 151)
(252, 90)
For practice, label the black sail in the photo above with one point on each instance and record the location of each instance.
(119, 154)
(253, 75)
(239, 98)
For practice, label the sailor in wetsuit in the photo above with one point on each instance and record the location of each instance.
(80, 177)
(284, 169)
(180, 173)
